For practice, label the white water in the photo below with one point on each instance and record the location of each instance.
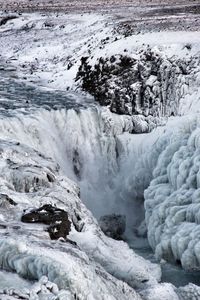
(86, 150)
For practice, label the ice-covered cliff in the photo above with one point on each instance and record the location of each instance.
(144, 82)
(172, 198)
(29, 179)
(167, 173)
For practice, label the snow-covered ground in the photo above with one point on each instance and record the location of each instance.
(87, 161)
(47, 50)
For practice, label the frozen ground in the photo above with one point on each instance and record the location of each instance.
(59, 147)
(47, 50)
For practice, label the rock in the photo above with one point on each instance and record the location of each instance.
(5, 19)
(113, 225)
(57, 219)
(149, 84)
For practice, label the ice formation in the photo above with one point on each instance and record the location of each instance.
(171, 200)
(168, 175)
(82, 147)
(30, 179)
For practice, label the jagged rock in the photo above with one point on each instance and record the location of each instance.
(150, 85)
(113, 225)
(53, 216)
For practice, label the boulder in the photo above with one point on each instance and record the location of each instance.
(113, 225)
(56, 218)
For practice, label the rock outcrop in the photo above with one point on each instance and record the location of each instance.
(47, 214)
(145, 83)
(113, 225)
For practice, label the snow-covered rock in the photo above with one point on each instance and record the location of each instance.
(148, 83)
(190, 291)
(155, 74)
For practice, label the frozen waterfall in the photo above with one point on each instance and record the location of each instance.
(90, 148)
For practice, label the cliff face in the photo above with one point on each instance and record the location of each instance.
(144, 83)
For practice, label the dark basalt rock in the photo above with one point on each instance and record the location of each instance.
(56, 218)
(113, 225)
(148, 85)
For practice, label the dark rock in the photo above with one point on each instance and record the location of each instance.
(57, 219)
(70, 242)
(3, 226)
(149, 85)
(113, 225)
(77, 164)
(48, 24)
(4, 20)
(5, 199)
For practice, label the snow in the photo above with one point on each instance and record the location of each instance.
(49, 58)
(164, 291)
(47, 50)
(170, 43)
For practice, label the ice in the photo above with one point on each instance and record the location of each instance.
(12, 280)
(47, 49)
(171, 200)
(33, 256)
(164, 291)
(66, 270)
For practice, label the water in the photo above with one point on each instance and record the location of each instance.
(18, 95)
